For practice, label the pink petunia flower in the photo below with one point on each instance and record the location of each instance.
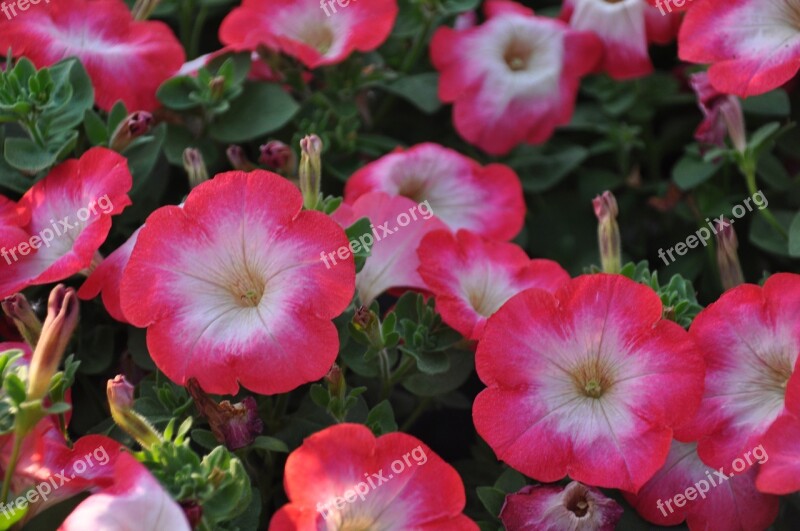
(127, 60)
(553, 508)
(135, 496)
(315, 33)
(398, 226)
(472, 277)
(487, 200)
(343, 477)
(781, 474)
(753, 46)
(232, 289)
(581, 385)
(751, 339)
(626, 28)
(66, 217)
(514, 78)
(706, 498)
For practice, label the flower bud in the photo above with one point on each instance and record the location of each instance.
(310, 170)
(142, 9)
(131, 128)
(238, 159)
(120, 401)
(195, 167)
(367, 322)
(335, 380)
(277, 156)
(234, 425)
(217, 87)
(730, 271)
(606, 210)
(60, 323)
(18, 309)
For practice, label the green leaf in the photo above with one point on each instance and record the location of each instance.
(492, 498)
(82, 99)
(205, 439)
(95, 128)
(15, 388)
(26, 156)
(117, 114)
(381, 418)
(794, 236)
(175, 93)
(12, 514)
(461, 365)
(421, 90)
(454, 7)
(542, 168)
(262, 108)
(773, 104)
(356, 235)
(58, 408)
(691, 171)
(271, 444)
(765, 237)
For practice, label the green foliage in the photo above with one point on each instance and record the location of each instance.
(677, 296)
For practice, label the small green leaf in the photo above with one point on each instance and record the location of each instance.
(15, 388)
(26, 156)
(262, 108)
(271, 444)
(794, 236)
(421, 90)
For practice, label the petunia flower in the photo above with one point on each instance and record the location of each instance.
(67, 218)
(397, 228)
(472, 277)
(626, 28)
(750, 338)
(232, 289)
(514, 78)
(487, 200)
(343, 477)
(126, 60)
(581, 385)
(316, 33)
(134, 500)
(753, 46)
(553, 508)
(706, 498)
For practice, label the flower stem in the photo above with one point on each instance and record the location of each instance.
(748, 168)
(12, 465)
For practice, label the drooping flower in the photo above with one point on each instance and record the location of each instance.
(398, 226)
(580, 385)
(706, 498)
(232, 289)
(135, 496)
(68, 217)
(315, 33)
(126, 60)
(554, 508)
(472, 277)
(626, 28)
(487, 200)
(750, 338)
(722, 115)
(234, 425)
(753, 46)
(343, 477)
(514, 78)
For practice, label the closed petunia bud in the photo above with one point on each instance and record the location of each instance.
(310, 170)
(238, 159)
(142, 9)
(730, 270)
(606, 210)
(62, 318)
(234, 425)
(195, 167)
(20, 311)
(135, 125)
(279, 157)
(120, 401)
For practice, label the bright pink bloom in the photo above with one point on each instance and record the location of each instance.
(135, 496)
(472, 277)
(396, 234)
(127, 60)
(626, 28)
(753, 46)
(750, 338)
(67, 217)
(553, 508)
(514, 78)
(390, 482)
(302, 29)
(232, 288)
(487, 200)
(709, 501)
(781, 473)
(107, 278)
(580, 385)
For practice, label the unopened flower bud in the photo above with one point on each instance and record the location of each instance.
(335, 380)
(60, 323)
(238, 159)
(606, 210)
(730, 270)
(310, 170)
(120, 401)
(195, 167)
(20, 311)
(131, 128)
(367, 322)
(277, 156)
(142, 9)
(234, 425)
(217, 87)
